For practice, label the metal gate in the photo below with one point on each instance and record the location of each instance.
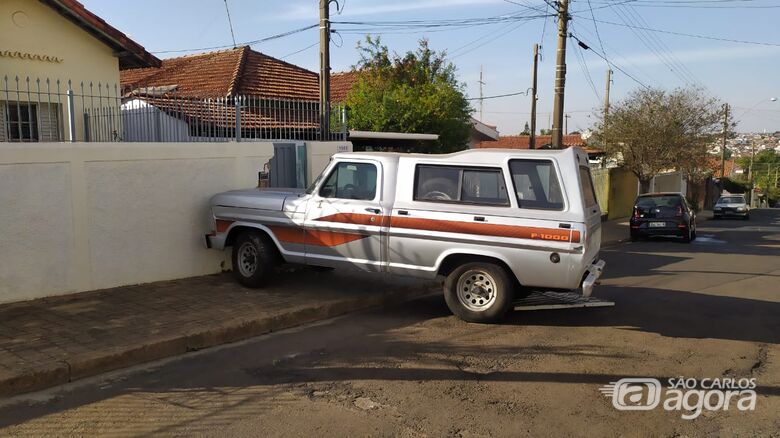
(288, 166)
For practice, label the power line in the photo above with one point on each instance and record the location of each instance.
(248, 43)
(694, 5)
(524, 93)
(671, 32)
(652, 45)
(586, 47)
(299, 51)
(513, 28)
(583, 64)
(596, 27)
(230, 23)
(617, 56)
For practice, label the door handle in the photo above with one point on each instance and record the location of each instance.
(373, 210)
(479, 218)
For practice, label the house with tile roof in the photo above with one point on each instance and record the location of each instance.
(46, 44)
(213, 94)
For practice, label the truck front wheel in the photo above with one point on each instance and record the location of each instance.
(254, 259)
(479, 292)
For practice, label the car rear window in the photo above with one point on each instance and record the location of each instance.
(467, 185)
(536, 184)
(647, 202)
(731, 200)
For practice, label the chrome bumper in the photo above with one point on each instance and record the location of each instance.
(594, 272)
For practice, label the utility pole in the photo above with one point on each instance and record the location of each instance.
(606, 99)
(566, 124)
(560, 74)
(532, 139)
(324, 70)
(481, 101)
(725, 135)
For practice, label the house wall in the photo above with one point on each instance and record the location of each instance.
(623, 188)
(39, 43)
(86, 216)
(601, 186)
(669, 182)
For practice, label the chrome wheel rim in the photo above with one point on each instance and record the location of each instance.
(477, 290)
(247, 259)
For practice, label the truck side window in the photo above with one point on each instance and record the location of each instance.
(536, 184)
(351, 181)
(460, 184)
(587, 187)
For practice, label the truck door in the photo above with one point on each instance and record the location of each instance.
(344, 218)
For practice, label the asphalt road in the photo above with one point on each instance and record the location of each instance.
(710, 309)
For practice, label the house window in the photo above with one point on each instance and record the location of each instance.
(21, 122)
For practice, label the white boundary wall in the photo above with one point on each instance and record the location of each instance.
(84, 216)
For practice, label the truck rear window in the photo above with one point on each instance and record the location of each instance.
(465, 185)
(536, 184)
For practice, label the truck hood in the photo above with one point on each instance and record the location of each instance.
(262, 199)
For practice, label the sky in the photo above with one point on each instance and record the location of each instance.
(744, 75)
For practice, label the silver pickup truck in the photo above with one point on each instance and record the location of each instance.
(493, 222)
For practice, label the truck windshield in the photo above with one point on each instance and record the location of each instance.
(731, 200)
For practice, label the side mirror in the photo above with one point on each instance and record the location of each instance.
(326, 192)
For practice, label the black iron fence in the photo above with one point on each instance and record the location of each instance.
(53, 110)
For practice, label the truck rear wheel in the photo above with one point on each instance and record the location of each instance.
(254, 259)
(479, 292)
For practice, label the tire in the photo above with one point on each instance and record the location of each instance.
(688, 236)
(479, 292)
(693, 235)
(747, 217)
(254, 259)
(635, 237)
(716, 216)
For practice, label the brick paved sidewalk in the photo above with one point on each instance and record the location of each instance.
(51, 341)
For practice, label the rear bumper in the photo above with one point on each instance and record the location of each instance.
(594, 271)
(670, 228)
(730, 213)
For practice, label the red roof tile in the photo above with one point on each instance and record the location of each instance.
(341, 84)
(227, 73)
(522, 141)
(131, 54)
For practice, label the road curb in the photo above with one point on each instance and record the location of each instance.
(94, 363)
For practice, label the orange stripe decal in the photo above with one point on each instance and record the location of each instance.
(481, 229)
(314, 237)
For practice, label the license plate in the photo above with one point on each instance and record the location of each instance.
(657, 224)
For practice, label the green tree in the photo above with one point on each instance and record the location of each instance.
(416, 92)
(653, 130)
(526, 130)
(764, 170)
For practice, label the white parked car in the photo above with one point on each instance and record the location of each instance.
(731, 205)
(489, 221)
